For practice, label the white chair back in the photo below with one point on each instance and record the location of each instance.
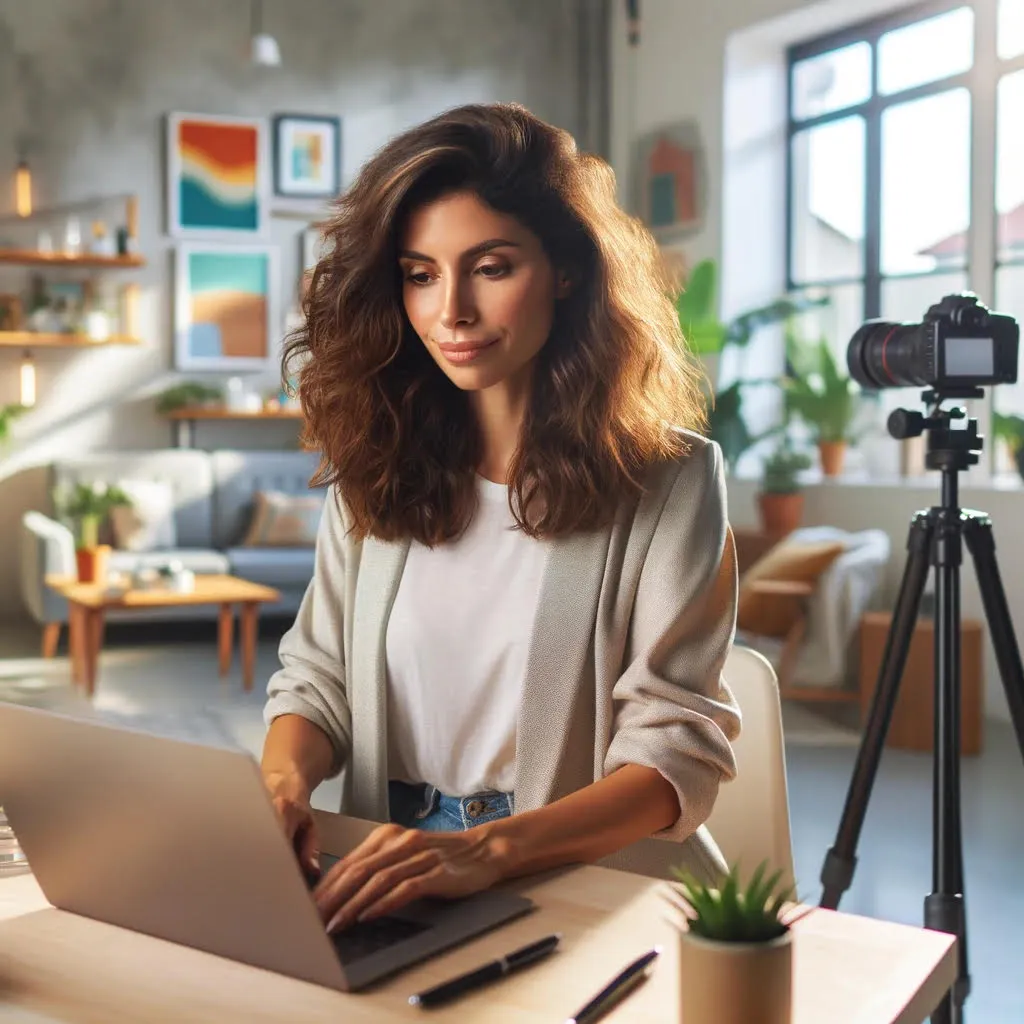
(750, 819)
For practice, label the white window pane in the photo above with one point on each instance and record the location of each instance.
(1009, 398)
(837, 321)
(832, 81)
(1010, 165)
(1011, 28)
(926, 184)
(828, 201)
(926, 51)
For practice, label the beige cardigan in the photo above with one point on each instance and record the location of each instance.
(633, 627)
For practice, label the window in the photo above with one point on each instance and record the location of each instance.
(881, 123)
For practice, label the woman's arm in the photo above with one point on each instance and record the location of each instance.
(297, 756)
(622, 808)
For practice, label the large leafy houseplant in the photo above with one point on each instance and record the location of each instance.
(735, 949)
(707, 336)
(822, 396)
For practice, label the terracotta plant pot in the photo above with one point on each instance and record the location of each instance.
(781, 513)
(735, 982)
(92, 563)
(833, 453)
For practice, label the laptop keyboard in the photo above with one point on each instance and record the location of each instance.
(366, 937)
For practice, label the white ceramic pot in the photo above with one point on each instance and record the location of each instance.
(735, 982)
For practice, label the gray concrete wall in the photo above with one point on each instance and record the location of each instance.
(84, 86)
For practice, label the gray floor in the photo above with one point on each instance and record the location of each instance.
(167, 678)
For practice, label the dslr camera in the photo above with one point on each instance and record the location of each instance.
(958, 344)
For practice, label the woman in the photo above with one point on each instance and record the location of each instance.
(524, 588)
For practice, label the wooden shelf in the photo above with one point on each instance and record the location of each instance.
(31, 258)
(34, 339)
(199, 412)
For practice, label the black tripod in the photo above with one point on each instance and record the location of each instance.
(935, 538)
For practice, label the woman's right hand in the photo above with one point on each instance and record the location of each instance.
(291, 801)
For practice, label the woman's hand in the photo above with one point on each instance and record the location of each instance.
(291, 802)
(394, 866)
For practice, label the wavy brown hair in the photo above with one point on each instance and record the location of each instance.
(612, 384)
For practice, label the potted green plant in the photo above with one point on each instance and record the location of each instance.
(8, 414)
(827, 400)
(1009, 428)
(187, 394)
(781, 499)
(735, 948)
(708, 337)
(86, 506)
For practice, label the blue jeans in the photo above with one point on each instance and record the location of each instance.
(427, 808)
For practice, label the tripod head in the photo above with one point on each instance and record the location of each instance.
(950, 450)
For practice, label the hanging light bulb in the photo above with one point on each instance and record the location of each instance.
(28, 380)
(263, 48)
(23, 189)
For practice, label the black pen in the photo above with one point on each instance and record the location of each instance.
(618, 988)
(483, 975)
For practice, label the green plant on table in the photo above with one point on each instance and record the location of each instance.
(86, 505)
(758, 911)
(185, 394)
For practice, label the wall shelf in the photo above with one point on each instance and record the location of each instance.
(31, 258)
(36, 339)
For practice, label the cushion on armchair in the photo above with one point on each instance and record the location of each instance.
(789, 561)
(284, 520)
(148, 523)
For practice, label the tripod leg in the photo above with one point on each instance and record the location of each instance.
(982, 546)
(837, 871)
(944, 906)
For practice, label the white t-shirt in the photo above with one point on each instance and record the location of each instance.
(456, 648)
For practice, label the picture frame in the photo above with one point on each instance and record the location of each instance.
(307, 156)
(227, 314)
(218, 181)
(670, 181)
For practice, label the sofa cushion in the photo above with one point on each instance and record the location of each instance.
(147, 524)
(198, 560)
(284, 520)
(188, 471)
(288, 568)
(239, 475)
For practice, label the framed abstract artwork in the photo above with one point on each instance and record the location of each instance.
(227, 300)
(671, 181)
(217, 176)
(307, 156)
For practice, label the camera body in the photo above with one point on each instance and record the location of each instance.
(959, 344)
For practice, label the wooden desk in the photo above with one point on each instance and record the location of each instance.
(68, 968)
(89, 602)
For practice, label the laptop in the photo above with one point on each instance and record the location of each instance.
(180, 841)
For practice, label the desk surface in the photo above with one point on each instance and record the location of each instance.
(61, 967)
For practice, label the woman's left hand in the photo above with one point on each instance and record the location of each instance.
(394, 866)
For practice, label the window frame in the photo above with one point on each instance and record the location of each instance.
(980, 81)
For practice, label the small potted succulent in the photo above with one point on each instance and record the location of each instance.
(735, 948)
(781, 501)
(86, 506)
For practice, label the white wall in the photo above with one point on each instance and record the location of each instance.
(723, 64)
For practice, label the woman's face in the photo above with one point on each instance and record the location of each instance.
(478, 289)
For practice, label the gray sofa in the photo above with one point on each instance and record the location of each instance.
(213, 499)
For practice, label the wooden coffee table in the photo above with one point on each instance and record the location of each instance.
(88, 604)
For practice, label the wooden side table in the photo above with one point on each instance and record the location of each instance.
(88, 604)
(912, 725)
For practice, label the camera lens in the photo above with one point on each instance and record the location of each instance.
(882, 354)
